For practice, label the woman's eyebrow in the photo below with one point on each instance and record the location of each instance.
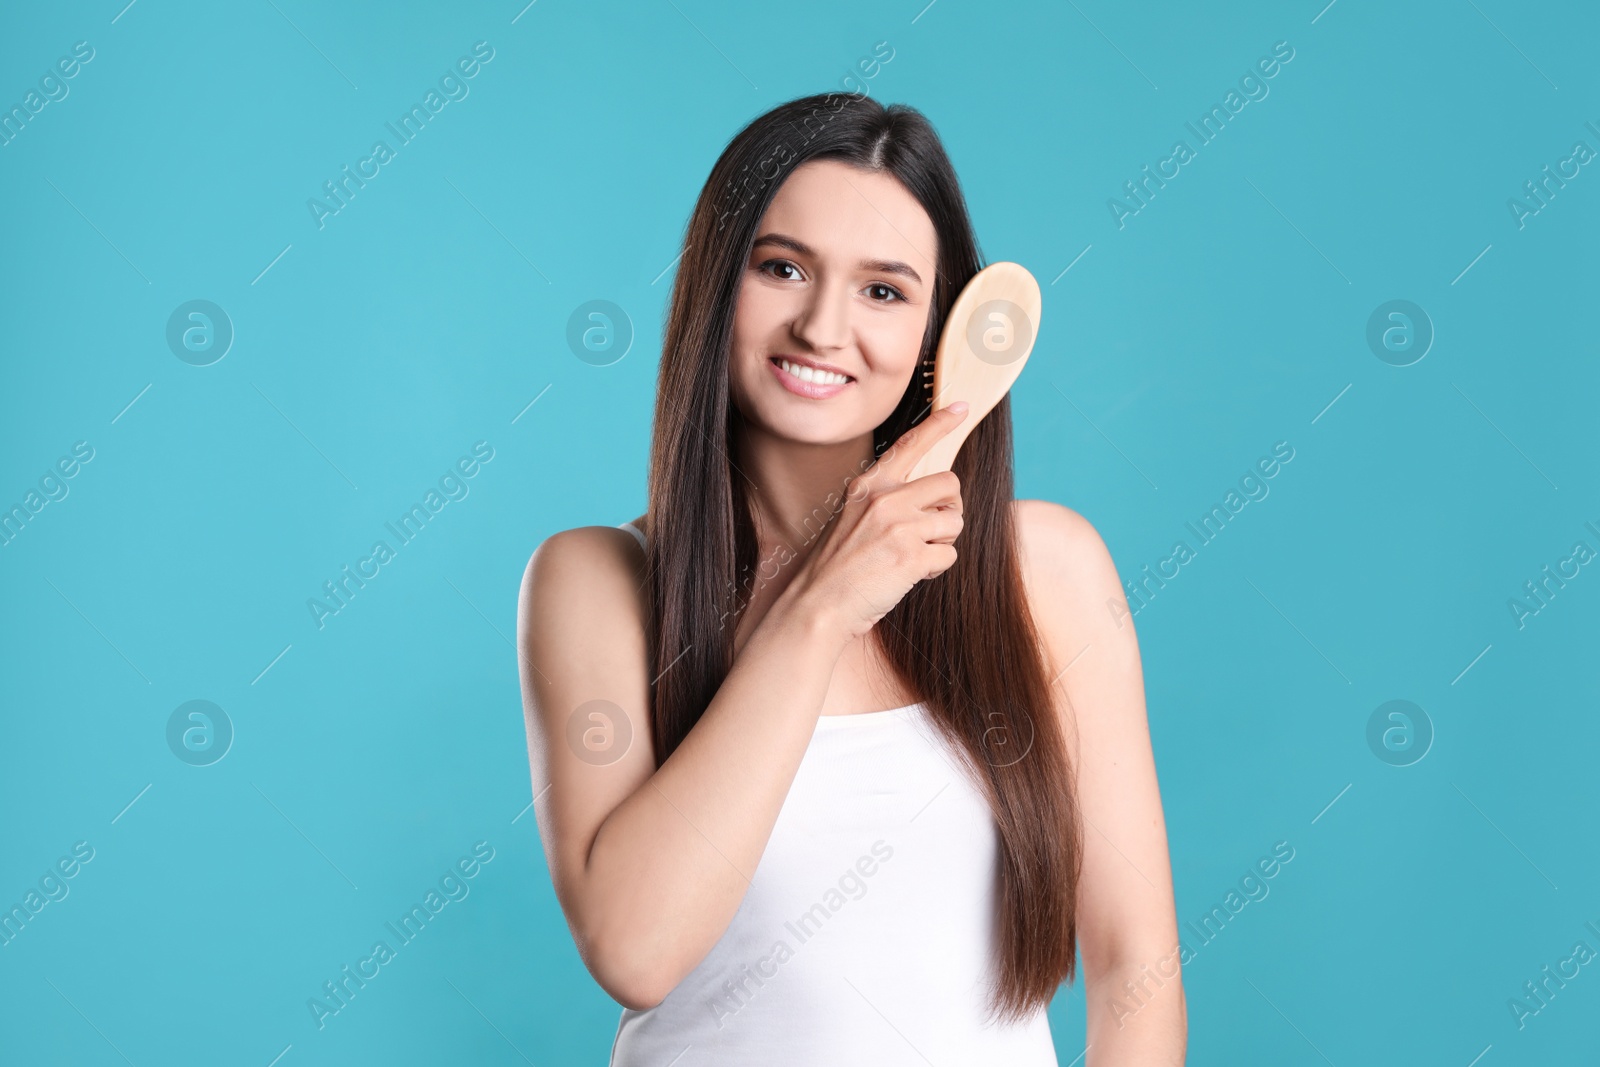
(879, 266)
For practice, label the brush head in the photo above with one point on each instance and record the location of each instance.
(986, 341)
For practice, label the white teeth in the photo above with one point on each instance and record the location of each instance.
(811, 374)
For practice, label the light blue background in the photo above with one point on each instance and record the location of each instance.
(1228, 315)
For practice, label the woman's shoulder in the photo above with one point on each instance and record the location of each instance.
(585, 542)
(582, 569)
(1067, 569)
(1056, 538)
(1078, 603)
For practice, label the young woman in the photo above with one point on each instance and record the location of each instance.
(832, 766)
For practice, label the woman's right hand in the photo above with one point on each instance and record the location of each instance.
(889, 535)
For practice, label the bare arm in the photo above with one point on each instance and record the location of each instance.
(650, 864)
(1128, 937)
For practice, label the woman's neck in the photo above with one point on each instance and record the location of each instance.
(796, 488)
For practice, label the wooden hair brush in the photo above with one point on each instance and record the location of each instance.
(986, 340)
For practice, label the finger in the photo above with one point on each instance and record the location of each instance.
(942, 558)
(942, 528)
(941, 489)
(895, 464)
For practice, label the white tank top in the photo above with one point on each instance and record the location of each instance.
(868, 932)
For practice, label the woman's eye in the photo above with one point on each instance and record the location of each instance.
(878, 291)
(772, 265)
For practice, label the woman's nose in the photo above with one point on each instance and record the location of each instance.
(824, 321)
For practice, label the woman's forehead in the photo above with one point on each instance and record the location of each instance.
(846, 215)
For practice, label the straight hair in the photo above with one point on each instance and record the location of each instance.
(964, 640)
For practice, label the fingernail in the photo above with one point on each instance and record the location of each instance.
(959, 407)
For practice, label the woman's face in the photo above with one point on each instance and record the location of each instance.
(839, 280)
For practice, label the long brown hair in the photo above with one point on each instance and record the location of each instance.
(965, 639)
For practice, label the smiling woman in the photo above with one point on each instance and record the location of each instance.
(877, 694)
(822, 317)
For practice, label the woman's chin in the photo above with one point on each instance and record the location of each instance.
(813, 428)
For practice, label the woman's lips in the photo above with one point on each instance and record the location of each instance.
(811, 390)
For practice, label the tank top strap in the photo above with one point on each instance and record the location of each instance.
(631, 528)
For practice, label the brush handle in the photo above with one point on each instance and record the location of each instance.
(985, 343)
